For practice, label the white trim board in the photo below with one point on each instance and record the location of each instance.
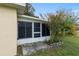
(31, 40)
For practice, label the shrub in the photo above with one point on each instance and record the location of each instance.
(60, 24)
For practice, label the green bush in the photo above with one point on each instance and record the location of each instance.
(60, 24)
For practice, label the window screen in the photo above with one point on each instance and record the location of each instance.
(21, 30)
(36, 34)
(24, 29)
(28, 30)
(36, 29)
(45, 30)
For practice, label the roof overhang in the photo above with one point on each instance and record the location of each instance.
(18, 6)
(31, 18)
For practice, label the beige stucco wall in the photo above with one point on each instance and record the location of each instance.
(8, 31)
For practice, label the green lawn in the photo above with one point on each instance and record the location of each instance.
(69, 48)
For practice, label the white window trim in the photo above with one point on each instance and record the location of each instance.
(32, 29)
(36, 32)
(39, 31)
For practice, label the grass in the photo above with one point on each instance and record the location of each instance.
(69, 48)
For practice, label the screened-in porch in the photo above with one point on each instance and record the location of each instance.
(32, 30)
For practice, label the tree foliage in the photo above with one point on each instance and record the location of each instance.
(61, 23)
(29, 10)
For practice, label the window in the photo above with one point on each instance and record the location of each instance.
(21, 30)
(36, 29)
(45, 30)
(24, 29)
(36, 34)
(28, 29)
